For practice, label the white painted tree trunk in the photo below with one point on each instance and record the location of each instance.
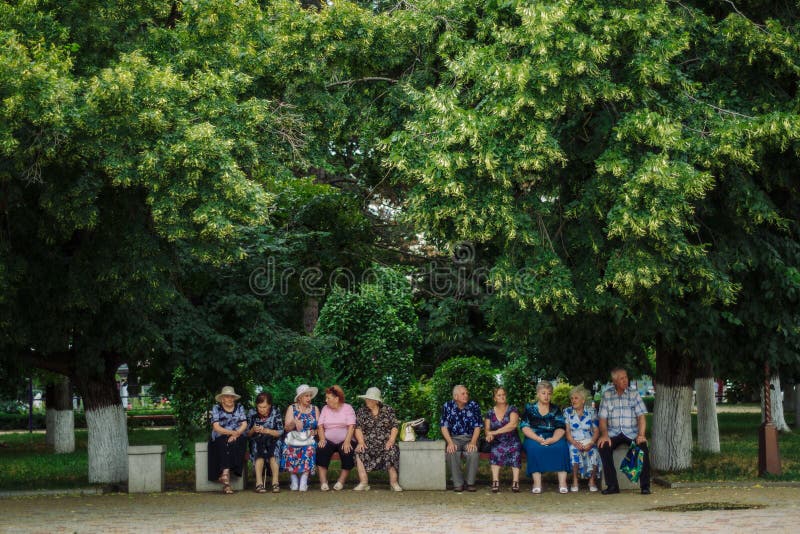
(797, 406)
(707, 425)
(672, 428)
(107, 444)
(62, 427)
(49, 422)
(776, 401)
(59, 417)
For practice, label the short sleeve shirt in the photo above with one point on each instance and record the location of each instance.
(227, 420)
(335, 422)
(622, 411)
(461, 422)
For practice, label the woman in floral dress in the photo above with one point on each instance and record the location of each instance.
(265, 428)
(376, 433)
(501, 432)
(582, 433)
(227, 445)
(300, 461)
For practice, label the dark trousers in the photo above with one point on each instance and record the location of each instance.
(610, 470)
(324, 455)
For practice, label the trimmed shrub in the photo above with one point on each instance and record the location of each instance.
(477, 374)
(518, 381)
(560, 395)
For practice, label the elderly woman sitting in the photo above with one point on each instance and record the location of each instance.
(544, 429)
(227, 446)
(376, 433)
(337, 424)
(582, 434)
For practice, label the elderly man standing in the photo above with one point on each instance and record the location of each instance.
(461, 424)
(622, 421)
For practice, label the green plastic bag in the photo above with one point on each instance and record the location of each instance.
(633, 462)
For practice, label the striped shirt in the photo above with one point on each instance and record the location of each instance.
(621, 412)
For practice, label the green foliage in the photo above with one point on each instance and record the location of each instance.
(417, 401)
(560, 395)
(375, 332)
(477, 374)
(518, 380)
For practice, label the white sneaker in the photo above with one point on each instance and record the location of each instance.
(294, 486)
(303, 487)
(338, 486)
(361, 486)
(324, 487)
(396, 487)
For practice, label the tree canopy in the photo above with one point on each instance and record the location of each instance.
(180, 182)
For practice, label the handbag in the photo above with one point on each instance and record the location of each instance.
(299, 438)
(633, 462)
(407, 432)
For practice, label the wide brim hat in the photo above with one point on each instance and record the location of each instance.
(302, 389)
(372, 394)
(227, 390)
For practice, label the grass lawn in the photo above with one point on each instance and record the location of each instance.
(27, 464)
(738, 457)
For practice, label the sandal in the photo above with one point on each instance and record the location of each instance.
(260, 488)
(563, 489)
(495, 486)
(536, 489)
(227, 489)
(515, 486)
(276, 488)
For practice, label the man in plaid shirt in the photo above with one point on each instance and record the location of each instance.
(622, 421)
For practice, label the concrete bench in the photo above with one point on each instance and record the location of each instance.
(146, 468)
(624, 482)
(422, 465)
(201, 482)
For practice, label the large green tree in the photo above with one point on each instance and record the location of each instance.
(626, 159)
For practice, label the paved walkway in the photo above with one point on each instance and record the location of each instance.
(383, 511)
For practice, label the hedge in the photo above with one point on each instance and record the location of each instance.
(19, 421)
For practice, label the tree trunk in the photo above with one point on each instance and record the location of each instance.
(59, 417)
(107, 428)
(310, 314)
(707, 425)
(776, 402)
(797, 406)
(672, 422)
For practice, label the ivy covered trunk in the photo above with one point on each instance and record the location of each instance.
(707, 424)
(106, 425)
(672, 423)
(59, 416)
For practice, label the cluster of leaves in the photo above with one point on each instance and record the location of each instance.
(375, 328)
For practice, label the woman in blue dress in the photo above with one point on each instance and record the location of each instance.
(501, 432)
(544, 428)
(265, 428)
(582, 434)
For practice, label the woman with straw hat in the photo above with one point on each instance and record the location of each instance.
(300, 454)
(376, 433)
(227, 446)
